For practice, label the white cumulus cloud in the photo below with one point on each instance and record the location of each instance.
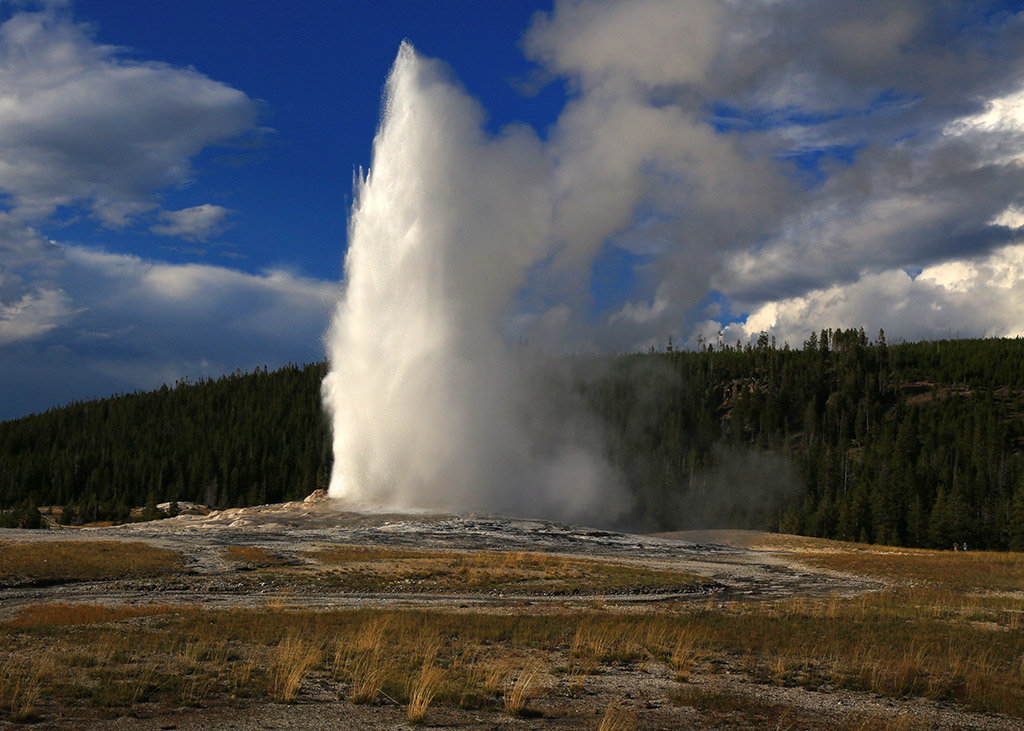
(197, 223)
(33, 315)
(81, 123)
(981, 297)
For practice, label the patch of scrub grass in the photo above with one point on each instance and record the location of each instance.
(970, 570)
(520, 690)
(720, 706)
(368, 673)
(618, 718)
(254, 557)
(125, 686)
(723, 702)
(54, 562)
(376, 568)
(875, 644)
(597, 641)
(61, 614)
(21, 683)
(292, 661)
(891, 644)
(422, 693)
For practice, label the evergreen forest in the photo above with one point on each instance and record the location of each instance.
(916, 444)
(243, 439)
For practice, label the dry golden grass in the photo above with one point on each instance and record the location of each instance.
(243, 682)
(366, 568)
(877, 643)
(493, 677)
(605, 639)
(368, 673)
(718, 704)
(361, 659)
(977, 570)
(292, 661)
(519, 691)
(423, 691)
(59, 614)
(48, 562)
(21, 682)
(336, 554)
(618, 718)
(686, 655)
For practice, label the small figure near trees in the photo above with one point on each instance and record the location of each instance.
(956, 546)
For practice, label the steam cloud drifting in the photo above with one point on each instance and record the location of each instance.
(777, 166)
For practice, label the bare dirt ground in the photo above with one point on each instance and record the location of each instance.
(735, 566)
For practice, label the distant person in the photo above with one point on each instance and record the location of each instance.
(965, 547)
(956, 546)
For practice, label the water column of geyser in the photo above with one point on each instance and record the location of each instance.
(430, 406)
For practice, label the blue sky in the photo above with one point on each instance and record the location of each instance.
(175, 177)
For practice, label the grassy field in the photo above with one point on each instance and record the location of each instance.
(50, 562)
(941, 633)
(376, 568)
(959, 571)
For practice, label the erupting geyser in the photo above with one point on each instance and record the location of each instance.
(431, 408)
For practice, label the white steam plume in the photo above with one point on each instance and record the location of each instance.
(431, 408)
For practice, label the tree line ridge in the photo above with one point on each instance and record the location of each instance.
(917, 444)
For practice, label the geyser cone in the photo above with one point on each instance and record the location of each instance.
(429, 405)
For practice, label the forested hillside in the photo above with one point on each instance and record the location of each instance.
(918, 444)
(240, 440)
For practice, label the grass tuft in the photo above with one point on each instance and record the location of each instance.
(422, 694)
(291, 663)
(618, 718)
(368, 672)
(21, 684)
(519, 692)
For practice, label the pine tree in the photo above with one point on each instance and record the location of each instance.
(941, 529)
(1017, 517)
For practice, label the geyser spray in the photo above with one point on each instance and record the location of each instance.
(430, 406)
